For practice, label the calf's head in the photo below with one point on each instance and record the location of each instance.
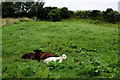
(37, 51)
(63, 57)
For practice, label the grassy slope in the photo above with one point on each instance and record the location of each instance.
(91, 49)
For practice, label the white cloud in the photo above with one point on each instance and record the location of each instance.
(84, 4)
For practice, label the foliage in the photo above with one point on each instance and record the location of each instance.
(8, 9)
(64, 13)
(33, 9)
(54, 15)
(82, 14)
(111, 16)
(95, 14)
(92, 49)
(37, 11)
(21, 9)
(45, 11)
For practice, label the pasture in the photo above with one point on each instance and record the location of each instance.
(91, 48)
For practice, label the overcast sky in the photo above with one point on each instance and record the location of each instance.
(83, 4)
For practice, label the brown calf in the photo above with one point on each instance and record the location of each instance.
(44, 55)
(33, 56)
(38, 55)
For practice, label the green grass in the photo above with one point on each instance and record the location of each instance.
(91, 48)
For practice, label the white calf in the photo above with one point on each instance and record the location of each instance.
(60, 58)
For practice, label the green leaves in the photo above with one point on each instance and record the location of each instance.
(54, 15)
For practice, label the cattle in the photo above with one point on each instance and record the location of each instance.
(45, 55)
(60, 58)
(38, 55)
(33, 56)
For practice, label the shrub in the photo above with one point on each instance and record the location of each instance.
(110, 16)
(79, 14)
(43, 15)
(64, 13)
(82, 14)
(95, 14)
(54, 15)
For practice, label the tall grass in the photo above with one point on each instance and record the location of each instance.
(91, 48)
(7, 21)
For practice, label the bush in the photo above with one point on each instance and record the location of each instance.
(82, 14)
(111, 16)
(43, 15)
(64, 13)
(95, 14)
(54, 15)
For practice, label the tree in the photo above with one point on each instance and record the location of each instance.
(110, 15)
(45, 11)
(64, 13)
(54, 15)
(0, 10)
(71, 13)
(8, 9)
(37, 9)
(22, 9)
(82, 14)
(29, 9)
(95, 14)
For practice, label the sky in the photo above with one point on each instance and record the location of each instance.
(83, 4)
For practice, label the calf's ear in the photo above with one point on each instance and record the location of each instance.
(34, 50)
(37, 50)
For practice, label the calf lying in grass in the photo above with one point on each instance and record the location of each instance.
(44, 55)
(33, 56)
(60, 58)
(38, 55)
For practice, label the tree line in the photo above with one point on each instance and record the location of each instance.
(109, 15)
(37, 9)
(34, 9)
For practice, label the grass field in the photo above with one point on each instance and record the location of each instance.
(91, 48)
